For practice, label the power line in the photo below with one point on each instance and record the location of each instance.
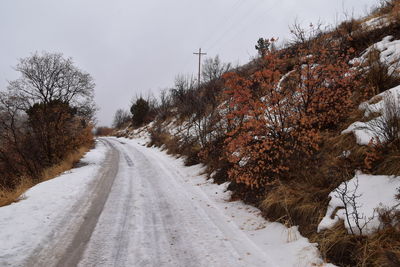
(232, 23)
(225, 20)
(244, 26)
(235, 24)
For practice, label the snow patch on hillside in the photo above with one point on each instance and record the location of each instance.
(389, 50)
(364, 194)
(365, 132)
(376, 23)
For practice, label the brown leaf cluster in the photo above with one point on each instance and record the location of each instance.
(275, 119)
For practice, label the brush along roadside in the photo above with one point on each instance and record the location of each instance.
(9, 196)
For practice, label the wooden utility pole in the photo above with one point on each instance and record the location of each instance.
(200, 54)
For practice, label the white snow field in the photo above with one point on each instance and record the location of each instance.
(137, 206)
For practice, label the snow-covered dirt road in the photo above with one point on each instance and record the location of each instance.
(144, 208)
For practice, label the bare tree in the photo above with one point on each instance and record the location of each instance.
(14, 158)
(183, 84)
(48, 77)
(46, 113)
(213, 69)
(184, 95)
(121, 117)
(164, 107)
(303, 36)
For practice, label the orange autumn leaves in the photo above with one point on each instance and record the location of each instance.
(275, 119)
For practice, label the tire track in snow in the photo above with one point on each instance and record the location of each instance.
(75, 249)
(192, 227)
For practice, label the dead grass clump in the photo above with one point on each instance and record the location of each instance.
(386, 7)
(341, 155)
(394, 13)
(348, 27)
(172, 145)
(302, 199)
(296, 204)
(68, 163)
(337, 245)
(345, 31)
(191, 151)
(166, 141)
(379, 76)
(380, 249)
(9, 196)
(158, 138)
(390, 164)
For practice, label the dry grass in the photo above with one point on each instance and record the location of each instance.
(390, 164)
(302, 199)
(390, 9)
(176, 146)
(296, 203)
(8, 196)
(379, 249)
(337, 245)
(68, 163)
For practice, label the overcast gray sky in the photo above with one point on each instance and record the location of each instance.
(133, 47)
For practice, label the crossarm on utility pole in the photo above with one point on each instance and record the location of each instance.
(199, 54)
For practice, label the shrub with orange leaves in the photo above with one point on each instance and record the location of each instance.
(275, 120)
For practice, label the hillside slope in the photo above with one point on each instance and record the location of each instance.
(302, 132)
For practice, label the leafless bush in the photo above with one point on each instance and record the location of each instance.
(184, 95)
(121, 118)
(49, 76)
(213, 69)
(386, 127)
(302, 36)
(349, 198)
(164, 107)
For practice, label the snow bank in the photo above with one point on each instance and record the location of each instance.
(371, 192)
(365, 131)
(375, 23)
(27, 224)
(142, 132)
(389, 50)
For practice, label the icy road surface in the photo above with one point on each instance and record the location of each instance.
(144, 208)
